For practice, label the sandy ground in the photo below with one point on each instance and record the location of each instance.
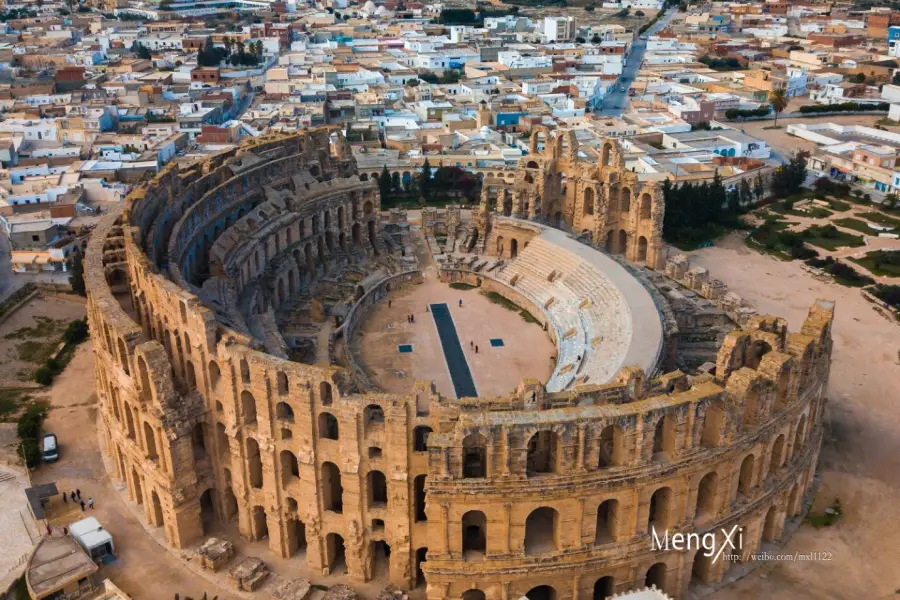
(860, 460)
(497, 371)
(781, 141)
(11, 367)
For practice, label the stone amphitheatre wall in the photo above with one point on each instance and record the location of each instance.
(201, 425)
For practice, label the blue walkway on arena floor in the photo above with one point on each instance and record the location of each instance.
(463, 383)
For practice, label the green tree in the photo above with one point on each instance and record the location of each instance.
(425, 178)
(595, 39)
(779, 101)
(384, 183)
(76, 275)
(746, 194)
(759, 187)
(258, 50)
(396, 185)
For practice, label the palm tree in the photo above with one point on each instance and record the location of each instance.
(779, 102)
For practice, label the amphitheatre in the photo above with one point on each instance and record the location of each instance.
(276, 354)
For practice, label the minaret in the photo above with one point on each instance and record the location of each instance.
(483, 116)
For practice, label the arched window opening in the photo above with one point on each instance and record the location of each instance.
(419, 499)
(474, 535)
(421, 557)
(607, 522)
(198, 441)
(612, 450)
(777, 455)
(588, 201)
(222, 441)
(798, 436)
(664, 439)
(254, 463)
(245, 371)
(656, 576)
(381, 559)
(745, 480)
(713, 423)
(473, 595)
(259, 523)
(770, 531)
(604, 588)
(296, 531)
(325, 393)
(335, 554)
(284, 412)
(646, 203)
(700, 570)
(332, 491)
(706, 497)
(544, 453)
(373, 417)
(376, 484)
(474, 456)
(420, 438)
(290, 468)
(282, 383)
(146, 388)
(328, 426)
(215, 376)
(658, 517)
(150, 441)
(542, 531)
(248, 407)
(542, 592)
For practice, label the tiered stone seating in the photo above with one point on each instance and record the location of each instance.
(587, 312)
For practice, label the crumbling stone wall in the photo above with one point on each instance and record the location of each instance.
(597, 198)
(202, 423)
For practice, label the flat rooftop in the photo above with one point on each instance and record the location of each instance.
(56, 562)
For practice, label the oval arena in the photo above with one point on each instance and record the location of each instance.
(227, 301)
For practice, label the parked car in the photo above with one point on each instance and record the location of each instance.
(50, 448)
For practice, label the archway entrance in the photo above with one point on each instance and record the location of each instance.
(334, 551)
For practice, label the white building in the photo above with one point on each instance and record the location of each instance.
(559, 29)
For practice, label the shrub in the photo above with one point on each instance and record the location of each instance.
(888, 293)
(843, 107)
(29, 430)
(43, 375)
(77, 332)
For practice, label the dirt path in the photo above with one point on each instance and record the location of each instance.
(144, 570)
(860, 459)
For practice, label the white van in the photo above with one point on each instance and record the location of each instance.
(51, 449)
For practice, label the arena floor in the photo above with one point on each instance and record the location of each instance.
(526, 352)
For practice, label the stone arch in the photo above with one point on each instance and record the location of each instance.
(376, 486)
(607, 526)
(474, 534)
(588, 204)
(296, 536)
(282, 383)
(420, 438)
(123, 356)
(660, 511)
(332, 490)
(544, 453)
(625, 200)
(215, 375)
(701, 568)
(325, 393)
(713, 424)
(474, 459)
(793, 501)
(541, 592)
(622, 242)
(799, 435)
(513, 248)
(745, 479)
(290, 468)
(248, 407)
(147, 393)
(707, 491)
(777, 456)
(646, 205)
(419, 514)
(138, 487)
(770, 525)
(254, 463)
(612, 447)
(284, 412)
(380, 556)
(335, 556)
(604, 588)
(245, 371)
(664, 438)
(150, 441)
(157, 515)
(328, 426)
(499, 245)
(657, 576)
(542, 531)
(373, 418)
(606, 154)
(642, 249)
